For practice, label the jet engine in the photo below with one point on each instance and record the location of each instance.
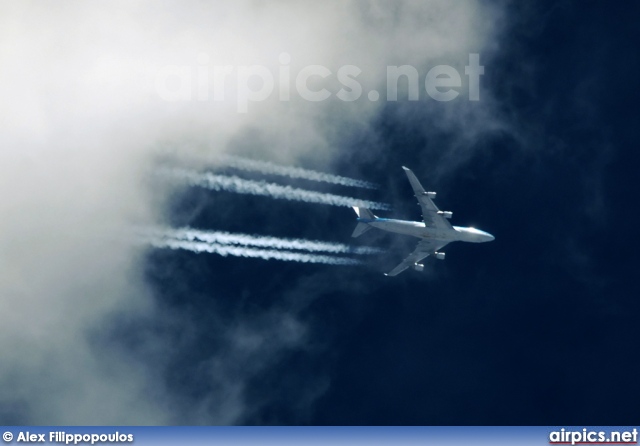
(446, 214)
(418, 267)
(431, 195)
(439, 255)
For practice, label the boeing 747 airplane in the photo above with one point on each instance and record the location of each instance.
(434, 231)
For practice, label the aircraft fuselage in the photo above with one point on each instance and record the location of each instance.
(420, 230)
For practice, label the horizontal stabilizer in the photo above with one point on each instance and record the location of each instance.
(360, 229)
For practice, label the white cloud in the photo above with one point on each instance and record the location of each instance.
(80, 118)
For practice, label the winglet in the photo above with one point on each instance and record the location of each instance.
(405, 168)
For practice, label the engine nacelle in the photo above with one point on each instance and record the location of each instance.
(431, 195)
(446, 214)
(439, 255)
(418, 267)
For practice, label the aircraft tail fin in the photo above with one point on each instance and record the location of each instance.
(364, 213)
(362, 227)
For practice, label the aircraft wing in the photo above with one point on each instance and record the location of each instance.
(430, 211)
(424, 249)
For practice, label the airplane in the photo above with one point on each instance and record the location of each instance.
(434, 230)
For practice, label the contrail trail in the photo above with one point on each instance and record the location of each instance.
(242, 186)
(269, 168)
(241, 251)
(227, 238)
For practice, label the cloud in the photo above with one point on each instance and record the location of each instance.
(81, 122)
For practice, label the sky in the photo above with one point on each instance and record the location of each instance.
(103, 327)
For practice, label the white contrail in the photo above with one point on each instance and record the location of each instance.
(242, 186)
(241, 251)
(227, 238)
(269, 168)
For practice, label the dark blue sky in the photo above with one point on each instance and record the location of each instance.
(538, 327)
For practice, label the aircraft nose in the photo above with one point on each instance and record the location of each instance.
(490, 237)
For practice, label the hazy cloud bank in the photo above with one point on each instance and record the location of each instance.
(80, 120)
